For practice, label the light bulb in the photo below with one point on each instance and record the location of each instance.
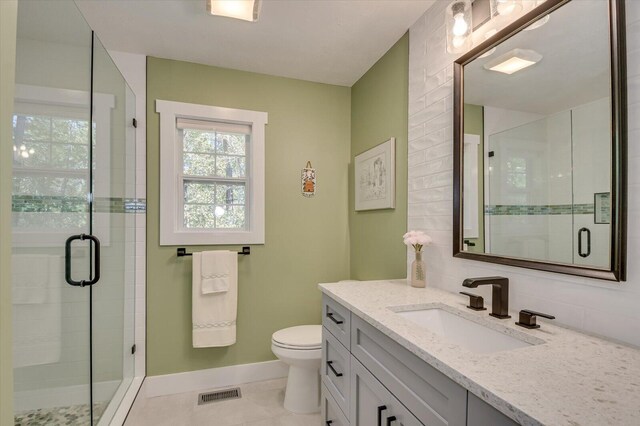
(460, 26)
(32, 151)
(15, 148)
(24, 154)
(457, 42)
(219, 211)
(23, 148)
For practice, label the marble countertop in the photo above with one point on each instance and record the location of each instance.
(564, 378)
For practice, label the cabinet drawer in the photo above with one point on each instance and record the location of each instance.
(372, 404)
(332, 415)
(335, 368)
(428, 394)
(337, 319)
(479, 413)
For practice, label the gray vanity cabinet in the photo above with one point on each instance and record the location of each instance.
(372, 404)
(479, 413)
(365, 372)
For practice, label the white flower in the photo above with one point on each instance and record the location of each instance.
(417, 239)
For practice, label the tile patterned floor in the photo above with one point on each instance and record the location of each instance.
(58, 416)
(261, 405)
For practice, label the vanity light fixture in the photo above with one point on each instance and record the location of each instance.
(246, 10)
(487, 36)
(513, 61)
(505, 7)
(540, 22)
(459, 25)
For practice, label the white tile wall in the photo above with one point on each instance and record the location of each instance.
(595, 306)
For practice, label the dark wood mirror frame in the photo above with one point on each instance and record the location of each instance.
(617, 270)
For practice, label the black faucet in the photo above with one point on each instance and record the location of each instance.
(499, 295)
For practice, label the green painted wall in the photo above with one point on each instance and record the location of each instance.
(306, 238)
(8, 23)
(379, 110)
(474, 125)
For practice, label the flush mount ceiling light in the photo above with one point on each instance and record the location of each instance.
(513, 61)
(246, 10)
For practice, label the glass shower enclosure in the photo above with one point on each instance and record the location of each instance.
(73, 270)
(548, 188)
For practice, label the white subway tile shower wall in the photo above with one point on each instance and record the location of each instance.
(594, 306)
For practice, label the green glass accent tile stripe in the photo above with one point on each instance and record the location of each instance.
(64, 204)
(542, 210)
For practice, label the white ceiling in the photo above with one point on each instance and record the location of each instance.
(328, 41)
(574, 70)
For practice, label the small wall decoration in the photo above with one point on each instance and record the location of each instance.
(375, 177)
(308, 180)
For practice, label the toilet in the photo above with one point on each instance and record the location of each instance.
(300, 348)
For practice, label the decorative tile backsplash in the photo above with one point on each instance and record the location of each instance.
(533, 210)
(63, 204)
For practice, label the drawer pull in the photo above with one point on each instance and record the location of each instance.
(331, 317)
(390, 420)
(329, 422)
(380, 410)
(330, 365)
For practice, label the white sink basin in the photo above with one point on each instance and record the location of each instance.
(463, 332)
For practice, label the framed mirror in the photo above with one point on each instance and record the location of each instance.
(540, 142)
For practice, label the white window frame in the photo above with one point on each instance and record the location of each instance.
(103, 104)
(172, 231)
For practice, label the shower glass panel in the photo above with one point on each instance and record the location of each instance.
(73, 172)
(113, 171)
(546, 178)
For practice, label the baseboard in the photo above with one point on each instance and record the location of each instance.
(213, 378)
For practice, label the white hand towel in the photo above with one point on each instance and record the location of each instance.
(37, 335)
(214, 315)
(215, 270)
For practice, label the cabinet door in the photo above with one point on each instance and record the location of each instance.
(372, 404)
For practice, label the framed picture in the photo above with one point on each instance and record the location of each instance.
(375, 177)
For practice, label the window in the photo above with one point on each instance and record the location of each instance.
(212, 174)
(51, 164)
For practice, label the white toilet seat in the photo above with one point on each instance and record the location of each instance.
(298, 338)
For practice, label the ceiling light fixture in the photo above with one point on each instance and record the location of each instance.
(513, 61)
(247, 10)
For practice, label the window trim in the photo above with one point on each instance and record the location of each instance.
(103, 105)
(171, 233)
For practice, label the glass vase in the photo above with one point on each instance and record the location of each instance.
(418, 271)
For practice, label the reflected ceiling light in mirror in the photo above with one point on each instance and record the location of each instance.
(458, 20)
(513, 61)
(505, 7)
(247, 10)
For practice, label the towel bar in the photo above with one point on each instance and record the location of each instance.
(246, 250)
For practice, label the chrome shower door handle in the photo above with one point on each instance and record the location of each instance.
(96, 262)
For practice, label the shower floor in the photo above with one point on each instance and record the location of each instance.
(57, 416)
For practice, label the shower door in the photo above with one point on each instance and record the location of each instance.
(549, 186)
(73, 241)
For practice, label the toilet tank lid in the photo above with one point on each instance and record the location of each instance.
(303, 336)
